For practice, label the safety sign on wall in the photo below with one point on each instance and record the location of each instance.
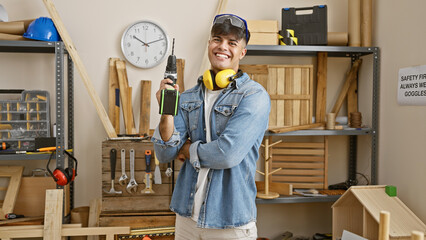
(412, 85)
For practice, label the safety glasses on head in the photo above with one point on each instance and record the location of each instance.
(234, 20)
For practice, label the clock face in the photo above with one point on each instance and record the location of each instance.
(145, 44)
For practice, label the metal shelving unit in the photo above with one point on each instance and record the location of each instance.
(57, 48)
(332, 51)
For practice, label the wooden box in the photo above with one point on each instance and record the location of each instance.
(263, 32)
(291, 91)
(304, 164)
(32, 195)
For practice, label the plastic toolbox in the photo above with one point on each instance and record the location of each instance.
(310, 29)
(22, 120)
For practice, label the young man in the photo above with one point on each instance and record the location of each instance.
(217, 133)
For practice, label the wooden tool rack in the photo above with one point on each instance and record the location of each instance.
(145, 213)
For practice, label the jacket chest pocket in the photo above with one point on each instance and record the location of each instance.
(191, 111)
(223, 114)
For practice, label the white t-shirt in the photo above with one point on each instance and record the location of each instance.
(200, 190)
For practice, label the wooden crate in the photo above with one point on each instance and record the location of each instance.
(137, 202)
(291, 91)
(304, 164)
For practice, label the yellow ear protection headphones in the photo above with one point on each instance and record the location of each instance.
(222, 78)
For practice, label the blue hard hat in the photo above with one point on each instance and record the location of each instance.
(42, 29)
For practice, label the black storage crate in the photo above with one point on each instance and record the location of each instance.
(310, 29)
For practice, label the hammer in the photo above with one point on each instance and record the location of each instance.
(113, 160)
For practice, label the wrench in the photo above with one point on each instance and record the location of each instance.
(123, 179)
(132, 187)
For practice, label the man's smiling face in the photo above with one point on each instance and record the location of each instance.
(225, 52)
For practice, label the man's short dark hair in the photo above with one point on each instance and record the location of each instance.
(227, 28)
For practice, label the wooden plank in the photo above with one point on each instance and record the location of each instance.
(305, 151)
(349, 78)
(31, 233)
(303, 185)
(321, 87)
(14, 173)
(294, 128)
(300, 145)
(352, 99)
(180, 65)
(145, 108)
(113, 99)
(94, 212)
(126, 100)
(326, 162)
(288, 89)
(305, 114)
(292, 179)
(136, 204)
(294, 172)
(286, 165)
(149, 221)
(80, 66)
(290, 97)
(272, 90)
(296, 90)
(53, 214)
(293, 158)
(25, 227)
(95, 231)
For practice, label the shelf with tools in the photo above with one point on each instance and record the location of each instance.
(64, 140)
(354, 53)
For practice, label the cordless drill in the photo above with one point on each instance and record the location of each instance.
(170, 97)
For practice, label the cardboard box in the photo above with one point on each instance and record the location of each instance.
(263, 32)
(262, 26)
(32, 195)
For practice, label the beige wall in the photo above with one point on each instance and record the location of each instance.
(96, 27)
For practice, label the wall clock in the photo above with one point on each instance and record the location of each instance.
(145, 44)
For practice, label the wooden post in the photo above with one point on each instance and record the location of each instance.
(145, 111)
(180, 74)
(417, 235)
(321, 87)
(53, 214)
(113, 97)
(349, 78)
(384, 225)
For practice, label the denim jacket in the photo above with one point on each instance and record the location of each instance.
(238, 122)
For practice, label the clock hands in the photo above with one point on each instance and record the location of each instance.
(145, 44)
(156, 41)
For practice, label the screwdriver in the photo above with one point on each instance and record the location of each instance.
(13, 216)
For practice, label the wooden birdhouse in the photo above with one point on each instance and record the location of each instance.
(358, 211)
